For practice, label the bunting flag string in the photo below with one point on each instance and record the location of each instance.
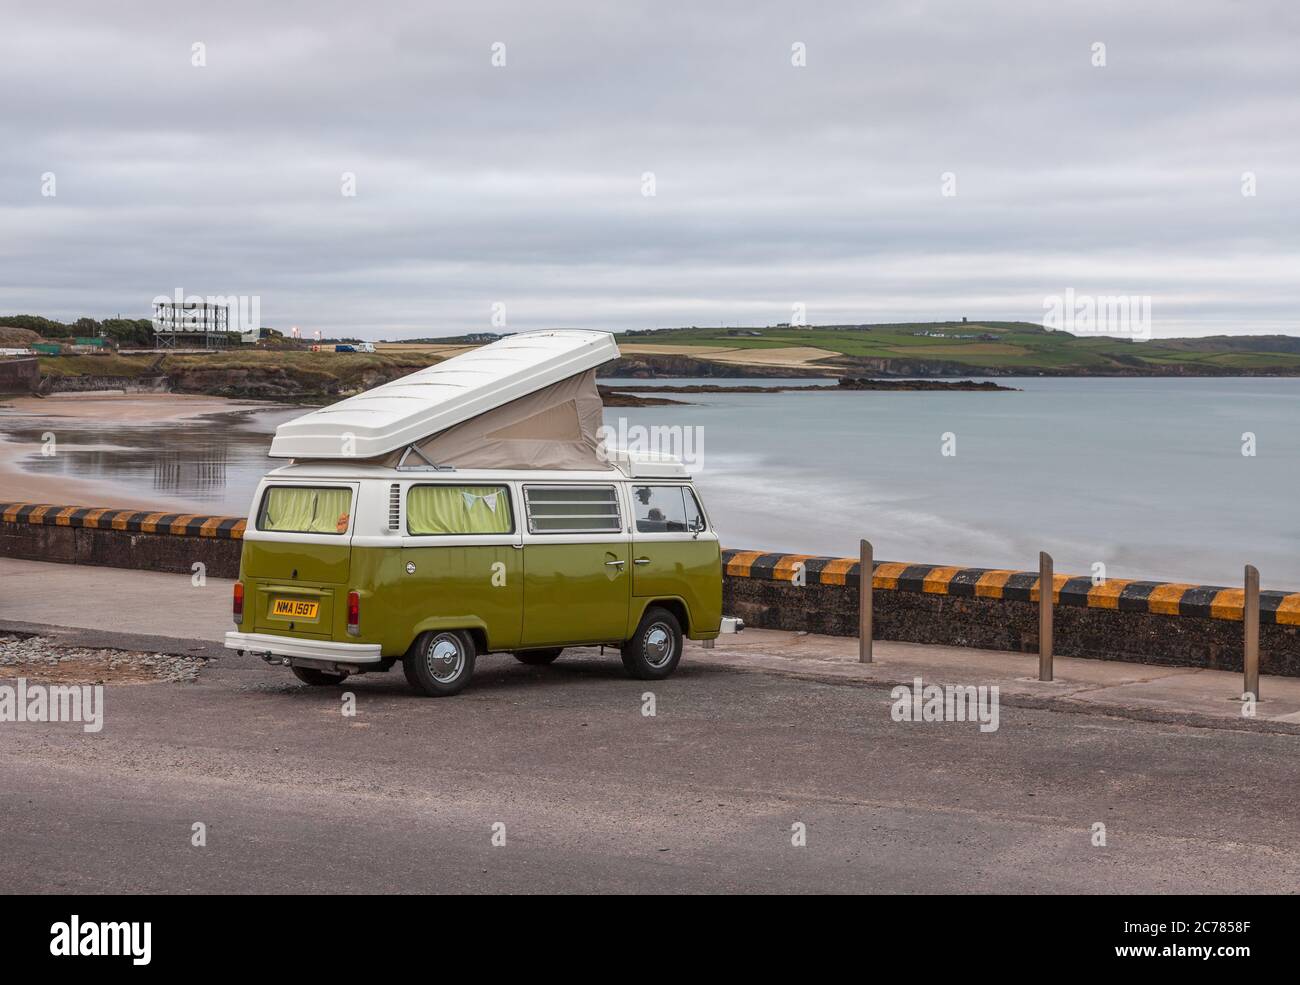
(489, 499)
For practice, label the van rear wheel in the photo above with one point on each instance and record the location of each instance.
(536, 658)
(655, 648)
(317, 678)
(440, 662)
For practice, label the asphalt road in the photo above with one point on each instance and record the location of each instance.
(595, 796)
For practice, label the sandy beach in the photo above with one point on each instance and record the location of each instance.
(137, 409)
(795, 357)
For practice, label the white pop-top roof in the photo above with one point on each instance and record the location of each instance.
(430, 400)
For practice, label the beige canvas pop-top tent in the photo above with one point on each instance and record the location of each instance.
(554, 428)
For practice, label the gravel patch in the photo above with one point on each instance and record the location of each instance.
(40, 658)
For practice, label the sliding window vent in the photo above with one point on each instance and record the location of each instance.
(394, 507)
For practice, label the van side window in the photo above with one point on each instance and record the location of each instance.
(666, 510)
(572, 509)
(305, 510)
(459, 510)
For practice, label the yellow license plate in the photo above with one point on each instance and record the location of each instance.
(294, 609)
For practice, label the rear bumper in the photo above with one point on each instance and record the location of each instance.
(300, 649)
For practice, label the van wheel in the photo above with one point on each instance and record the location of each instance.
(440, 663)
(656, 646)
(317, 678)
(538, 657)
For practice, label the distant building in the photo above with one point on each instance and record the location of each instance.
(929, 333)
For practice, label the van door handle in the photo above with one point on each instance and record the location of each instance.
(642, 560)
(615, 564)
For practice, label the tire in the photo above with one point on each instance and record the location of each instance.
(655, 648)
(317, 678)
(440, 662)
(537, 658)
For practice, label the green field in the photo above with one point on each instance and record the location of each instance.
(1005, 347)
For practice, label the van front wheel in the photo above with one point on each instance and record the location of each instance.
(440, 663)
(656, 646)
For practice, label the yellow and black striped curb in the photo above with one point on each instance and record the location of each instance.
(1155, 597)
(132, 521)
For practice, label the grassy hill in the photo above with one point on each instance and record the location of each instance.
(986, 348)
(244, 373)
(934, 349)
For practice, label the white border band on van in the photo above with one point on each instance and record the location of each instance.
(291, 646)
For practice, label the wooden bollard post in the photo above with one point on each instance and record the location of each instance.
(1046, 584)
(1250, 632)
(865, 567)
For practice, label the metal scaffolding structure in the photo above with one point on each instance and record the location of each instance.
(198, 323)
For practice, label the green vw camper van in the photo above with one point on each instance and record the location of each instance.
(471, 508)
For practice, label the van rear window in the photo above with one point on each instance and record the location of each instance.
(459, 510)
(305, 509)
(572, 509)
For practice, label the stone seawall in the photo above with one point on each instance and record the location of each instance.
(1136, 621)
(18, 376)
(122, 538)
(95, 384)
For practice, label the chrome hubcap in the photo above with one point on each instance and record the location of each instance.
(658, 645)
(445, 659)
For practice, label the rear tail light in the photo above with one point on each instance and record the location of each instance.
(354, 613)
(238, 608)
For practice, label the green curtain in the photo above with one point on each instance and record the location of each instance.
(303, 510)
(458, 510)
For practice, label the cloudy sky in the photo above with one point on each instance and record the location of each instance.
(524, 184)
